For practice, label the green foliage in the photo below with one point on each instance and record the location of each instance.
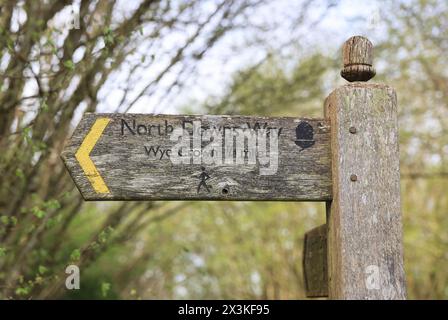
(105, 288)
(43, 270)
(39, 213)
(69, 65)
(75, 255)
(4, 220)
(269, 89)
(20, 174)
(52, 204)
(105, 234)
(44, 106)
(234, 250)
(23, 291)
(109, 38)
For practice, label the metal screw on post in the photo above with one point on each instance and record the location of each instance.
(357, 57)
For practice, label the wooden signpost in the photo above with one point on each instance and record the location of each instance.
(129, 157)
(349, 159)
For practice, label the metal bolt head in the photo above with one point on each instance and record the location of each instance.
(353, 177)
(352, 130)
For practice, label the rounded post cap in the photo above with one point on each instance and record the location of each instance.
(357, 57)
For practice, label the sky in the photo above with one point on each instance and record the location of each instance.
(214, 72)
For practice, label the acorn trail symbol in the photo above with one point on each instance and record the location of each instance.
(304, 135)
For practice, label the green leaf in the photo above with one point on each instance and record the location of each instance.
(26, 134)
(66, 194)
(105, 234)
(52, 204)
(69, 64)
(75, 255)
(2, 252)
(20, 174)
(10, 44)
(23, 291)
(42, 269)
(4, 220)
(108, 36)
(44, 106)
(51, 43)
(38, 212)
(51, 223)
(105, 287)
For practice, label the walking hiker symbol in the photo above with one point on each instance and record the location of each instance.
(204, 177)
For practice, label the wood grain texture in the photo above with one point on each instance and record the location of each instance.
(364, 221)
(315, 262)
(131, 173)
(357, 57)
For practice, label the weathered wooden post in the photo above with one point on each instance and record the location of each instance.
(365, 257)
(349, 159)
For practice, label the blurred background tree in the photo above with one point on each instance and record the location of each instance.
(158, 56)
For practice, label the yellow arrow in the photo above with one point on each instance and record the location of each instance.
(83, 155)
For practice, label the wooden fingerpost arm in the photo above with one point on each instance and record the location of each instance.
(364, 228)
